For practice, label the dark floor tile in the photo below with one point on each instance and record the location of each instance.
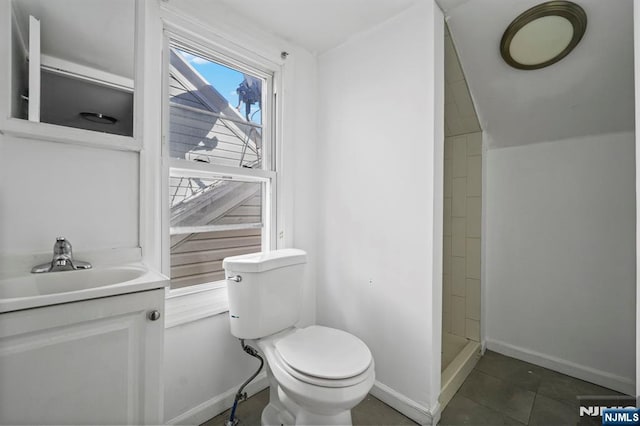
(372, 411)
(566, 389)
(463, 411)
(519, 373)
(549, 412)
(502, 396)
(248, 412)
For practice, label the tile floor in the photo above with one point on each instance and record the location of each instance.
(499, 391)
(505, 391)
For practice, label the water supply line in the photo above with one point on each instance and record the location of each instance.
(233, 421)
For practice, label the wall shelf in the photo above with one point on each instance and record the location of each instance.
(54, 133)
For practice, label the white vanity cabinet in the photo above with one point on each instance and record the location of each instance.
(88, 362)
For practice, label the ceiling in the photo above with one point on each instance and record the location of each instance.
(589, 92)
(94, 33)
(317, 25)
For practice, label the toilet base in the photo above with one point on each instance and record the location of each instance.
(281, 411)
(307, 418)
(272, 416)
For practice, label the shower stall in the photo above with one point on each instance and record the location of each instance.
(462, 229)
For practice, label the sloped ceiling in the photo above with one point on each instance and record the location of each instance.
(591, 91)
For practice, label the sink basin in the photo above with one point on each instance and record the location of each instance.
(50, 288)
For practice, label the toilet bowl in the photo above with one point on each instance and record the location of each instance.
(323, 372)
(316, 374)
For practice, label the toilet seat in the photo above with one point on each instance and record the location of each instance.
(324, 356)
(318, 381)
(331, 399)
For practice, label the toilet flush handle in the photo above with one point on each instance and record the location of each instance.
(236, 278)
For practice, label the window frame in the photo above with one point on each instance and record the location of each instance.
(267, 174)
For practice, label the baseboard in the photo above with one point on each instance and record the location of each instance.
(415, 411)
(602, 378)
(216, 405)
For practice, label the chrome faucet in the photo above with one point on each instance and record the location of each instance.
(62, 259)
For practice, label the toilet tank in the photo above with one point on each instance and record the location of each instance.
(265, 291)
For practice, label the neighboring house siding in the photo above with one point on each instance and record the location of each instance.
(195, 134)
(198, 257)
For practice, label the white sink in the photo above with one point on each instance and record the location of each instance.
(51, 288)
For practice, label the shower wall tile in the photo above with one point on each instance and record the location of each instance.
(459, 156)
(474, 176)
(472, 330)
(448, 147)
(453, 126)
(473, 217)
(472, 299)
(446, 321)
(474, 144)
(450, 109)
(452, 69)
(459, 202)
(473, 258)
(448, 177)
(458, 277)
(462, 204)
(447, 219)
(470, 123)
(446, 256)
(448, 97)
(459, 236)
(458, 316)
(446, 293)
(460, 113)
(463, 101)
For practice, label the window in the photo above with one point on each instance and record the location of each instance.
(220, 176)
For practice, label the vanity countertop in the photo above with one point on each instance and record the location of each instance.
(52, 288)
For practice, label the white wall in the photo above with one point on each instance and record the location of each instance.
(204, 366)
(49, 189)
(560, 256)
(377, 160)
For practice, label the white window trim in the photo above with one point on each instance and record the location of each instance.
(185, 305)
(201, 301)
(182, 168)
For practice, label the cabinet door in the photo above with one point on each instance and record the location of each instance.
(34, 69)
(89, 362)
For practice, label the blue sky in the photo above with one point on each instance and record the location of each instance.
(224, 79)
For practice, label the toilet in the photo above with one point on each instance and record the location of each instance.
(316, 374)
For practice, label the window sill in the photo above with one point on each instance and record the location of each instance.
(70, 135)
(190, 304)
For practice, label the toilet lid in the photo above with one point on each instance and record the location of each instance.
(324, 352)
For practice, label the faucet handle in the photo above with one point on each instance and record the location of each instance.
(62, 247)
